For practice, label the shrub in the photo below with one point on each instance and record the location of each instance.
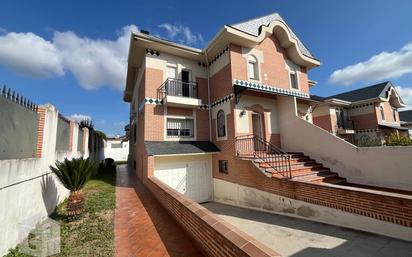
(398, 140)
(366, 141)
(108, 162)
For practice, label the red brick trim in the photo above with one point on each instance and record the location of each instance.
(40, 132)
(386, 207)
(215, 236)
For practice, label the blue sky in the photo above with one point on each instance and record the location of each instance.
(72, 53)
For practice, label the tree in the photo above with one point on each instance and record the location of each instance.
(74, 174)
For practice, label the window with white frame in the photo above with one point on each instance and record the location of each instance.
(382, 112)
(253, 68)
(293, 74)
(294, 79)
(394, 113)
(221, 124)
(180, 127)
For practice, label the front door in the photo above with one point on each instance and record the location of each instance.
(257, 130)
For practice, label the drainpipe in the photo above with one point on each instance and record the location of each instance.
(208, 97)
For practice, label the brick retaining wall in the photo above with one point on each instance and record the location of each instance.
(215, 236)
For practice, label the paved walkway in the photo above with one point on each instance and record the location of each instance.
(142, 226)
(301, 238)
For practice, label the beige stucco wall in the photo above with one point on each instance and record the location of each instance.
(243, 122)
(379, 166)
(238, 195)
(163, 60)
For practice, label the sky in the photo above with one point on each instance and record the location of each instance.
(73, 54)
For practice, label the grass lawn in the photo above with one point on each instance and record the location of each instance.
(92, 234)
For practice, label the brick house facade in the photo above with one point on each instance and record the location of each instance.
(361, 115)
(206, 122)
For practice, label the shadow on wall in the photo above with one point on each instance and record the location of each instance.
(49, 193)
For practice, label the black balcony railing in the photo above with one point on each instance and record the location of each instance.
(255, 147)
(345, 124)
(177, 87)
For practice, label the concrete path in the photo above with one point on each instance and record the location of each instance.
(142, 226)
(300, 238)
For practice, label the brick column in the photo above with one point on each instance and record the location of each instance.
(40, 131)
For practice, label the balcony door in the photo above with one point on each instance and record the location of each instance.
(171, 75)
(186, 83)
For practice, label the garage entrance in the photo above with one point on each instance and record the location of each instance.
(189, 175)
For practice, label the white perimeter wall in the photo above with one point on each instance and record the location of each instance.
(29, 192)
(118, 154)
(378, 166)
(238, 195)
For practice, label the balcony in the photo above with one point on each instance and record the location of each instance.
(176, 92)
(345, 126)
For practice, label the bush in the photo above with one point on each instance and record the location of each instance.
(108, 162)
(398, 140)
(366, 141)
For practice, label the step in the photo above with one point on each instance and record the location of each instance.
(317, 178)
(297, 169)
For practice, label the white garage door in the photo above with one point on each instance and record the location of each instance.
(192, 179)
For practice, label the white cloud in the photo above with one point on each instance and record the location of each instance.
(30, 54)
(3, 30)
(182, 34)
(79, 117)
(94, 62)
(406, 95)
(380, 67)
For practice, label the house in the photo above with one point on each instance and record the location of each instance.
(361, 115)
(233, 123)
(189, 106)
(406, 120)
(117, 148)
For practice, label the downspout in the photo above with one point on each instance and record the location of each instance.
(208, 97)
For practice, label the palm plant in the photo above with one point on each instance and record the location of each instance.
(73, 174)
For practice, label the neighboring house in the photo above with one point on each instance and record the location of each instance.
(369, 113)
(117, 148)
(406, 120)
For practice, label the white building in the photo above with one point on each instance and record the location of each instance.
(117, 148)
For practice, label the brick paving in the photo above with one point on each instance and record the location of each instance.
(143, 227)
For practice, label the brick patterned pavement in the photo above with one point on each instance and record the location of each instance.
(143, 227)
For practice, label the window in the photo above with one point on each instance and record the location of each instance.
(116, 145)
(180, 127)
(223, 166)
(294, 79)
(221, 124)
(382, 112)
(253, 68)
(394, 113)
(293, 74)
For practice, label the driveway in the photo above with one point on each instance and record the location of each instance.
(301, 238)
(142, 226)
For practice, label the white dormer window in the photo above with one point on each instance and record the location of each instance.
(253, 68)
(382, 112)
(394, 113)
(293, 74)
(294, 79)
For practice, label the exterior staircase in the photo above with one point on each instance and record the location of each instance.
(303, 169)
(273, 162)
